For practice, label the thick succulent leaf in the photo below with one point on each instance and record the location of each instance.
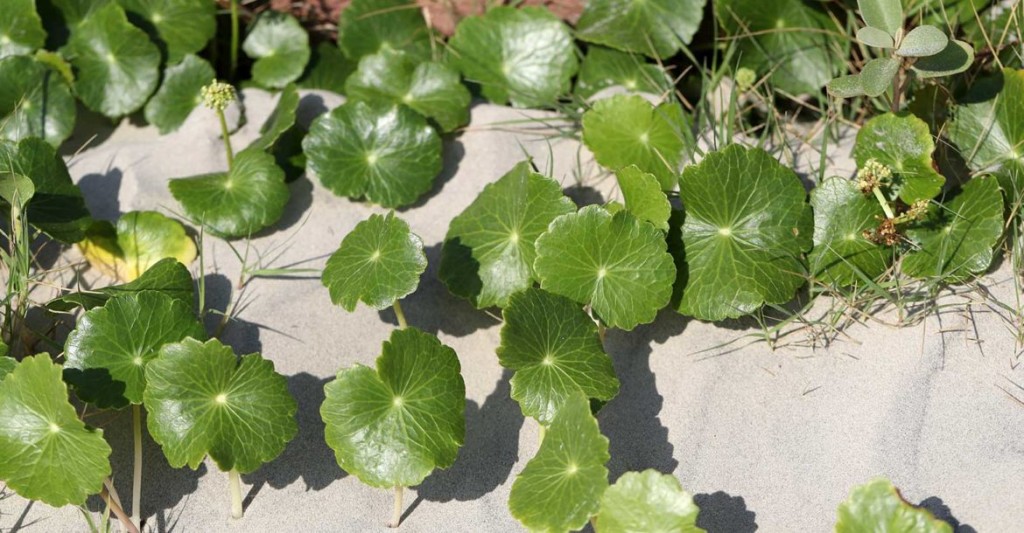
(433, 90)
(369, 26)
(647, 501)
(955, 241)
(846, 86)
(643, 196)
(494, 51)
(561, 487)
(878, 74)
(281, 119)
(747, 226)
(179, 94)
(657, 28)
(57, 207)
(556, 352)
(384, 152)
(878, 506)
(842, 255)
(327, 70)
(280, 48)
(238, 203)
(116, 64)
(988, 129)
(791, 41)
(48, 453)
(139, 240)
(955, 58)
(876, 37)
(107, 352)
(923, 41)
(179, 27)
(21, 29)
(886, 15)
(203, 400)
(616, 263)
(627, 130)
(392, 427)
(34, 101)
(607, 67)
(903, 143)
(488, 253)
(166, 276)
(379, 262)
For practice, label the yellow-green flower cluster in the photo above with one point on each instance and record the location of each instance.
(745, 79)
(218, 95)
(873, 174)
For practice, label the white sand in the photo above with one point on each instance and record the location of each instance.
(766, 439)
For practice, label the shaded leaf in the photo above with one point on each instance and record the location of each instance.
(841, 216)
(167, 276)
(280, 47)
(647, 501)
(281, 119)
(644, 197)
(656, 28)
(327, 70)
(21, 29)
(369, 26)
(179, 27)
(138, 241)
(878, 506)
(607, 67)
(903, 143)
(57, 207)
(955, 58)
(179, 94)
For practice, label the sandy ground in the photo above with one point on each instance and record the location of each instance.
(766, 439)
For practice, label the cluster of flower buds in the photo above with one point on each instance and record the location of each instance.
(873, 175)
(745, 79)
(218, 95)
(886, 233)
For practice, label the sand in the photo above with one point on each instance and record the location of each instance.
(766, 439)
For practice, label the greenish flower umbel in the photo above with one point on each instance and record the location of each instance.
(218, 95)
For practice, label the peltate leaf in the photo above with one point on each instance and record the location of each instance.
(369, 26)
(903, 143)
(841, 216)
(617, 264)
(383, 152)
(747, 226)
(109, 348)
(488, 253)
(644, 197)
(956, 240)
(21, 29)
(34, 101)
(116, 64)
(626, 130)
(877, 75)
(923, 41)
(167, 276)
(955, 58)
(238, 203)
(179, 94)
(607, 67)
(393, 426)
(202, 399)
(878, 506)
(493, 51)
(561, 487)
(281, 119)
(138, 241)
(647, 501)
(179, 27)
(657, 28)
(554, 347)
(48, 453)
(280, 48)
(57, 207)
(433, 90)
(378, 263)
(886, 15)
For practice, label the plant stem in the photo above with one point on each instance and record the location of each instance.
(396, 516)
(137, 481)
(227, 138)
(235, 481)
(542, 431)
(110, 498)
(400, 315)
(884, 203)
(234, 39)
(601, 330)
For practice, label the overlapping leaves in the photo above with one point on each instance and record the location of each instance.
(57, 207)
(657, 28)
(842, 255)
(138, 241)
(903, 143)
(34, 101)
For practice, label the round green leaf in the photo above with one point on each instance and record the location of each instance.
(202, 399)
(138, 241)
(617, 264)
(872, 36)
(877, 75)
(955, 58)
(904, 144)
(109, 349)
(48, 453)
(556, 352)
(179, 27)
(238, 203)
(369, 26)
(955, 241)
(647, 501)
(644, 197)
(280, 47)
(378, 262)
(57, 207)
(21, 29)
(606, 67)
(561, 487)
(626, 130)
(384, 152)
(281, 119)
(878, 506)
(657, 28)
(327, 70)
(117, 65)
(493, 50)
(392, 427)
(488, 253)
(747, 226)
(179, 94)
(923, 41)
(842, 256)
(431, 89)
(886, 15)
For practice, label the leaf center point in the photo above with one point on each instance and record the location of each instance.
(54, 428)
(725, 232)
(221, 398)
(398, 401)
(602, 272)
